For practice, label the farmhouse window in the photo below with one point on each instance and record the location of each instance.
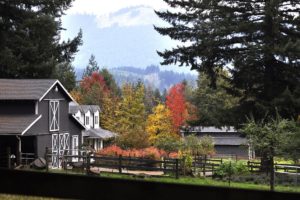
(87, 120)
(54, 115)
(96, 120)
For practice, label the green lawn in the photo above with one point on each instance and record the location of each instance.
(206, 182)
(22, 197)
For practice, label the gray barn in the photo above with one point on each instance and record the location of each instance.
(34, 114)
(227, 141)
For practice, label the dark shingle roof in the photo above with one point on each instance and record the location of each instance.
(24, 89)
(99, 133)
(230, 141)
(16, 124)
(209, 129)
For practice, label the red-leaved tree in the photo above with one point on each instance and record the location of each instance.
(175, 101)
(94, 89)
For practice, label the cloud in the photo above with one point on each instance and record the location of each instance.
(122, 13)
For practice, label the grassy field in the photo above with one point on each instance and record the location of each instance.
(22, 197)
(182, 180)
(205, 181)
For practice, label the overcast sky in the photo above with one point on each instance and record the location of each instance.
(118, 32)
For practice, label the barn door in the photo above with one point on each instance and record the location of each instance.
(55, 150)
(53, 115)
(75, 147)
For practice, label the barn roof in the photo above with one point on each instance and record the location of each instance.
(27, 89)
(230, 141)
(99, 133)
(209, 129)
(17, 124)
(73, 109)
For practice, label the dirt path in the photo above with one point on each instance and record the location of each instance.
(150, 173)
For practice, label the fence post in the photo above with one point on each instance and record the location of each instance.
(296, 177)
(204, 165)
(194, 163)
(8, 158)
(46, 158)
(88, 163)
(164, 163)
(176, 167)
(120, 164)
(229, 178)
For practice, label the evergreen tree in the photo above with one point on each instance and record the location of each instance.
(158, 96)
(110, 82)
(131, 117)
(260, 39)
(108, 115)
(150, 99)
(65, 73)
(91, 67)
(30, 44)
(215, 107)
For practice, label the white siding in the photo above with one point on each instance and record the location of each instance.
(79, 116)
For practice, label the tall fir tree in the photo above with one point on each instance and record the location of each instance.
(109, 108)
(65, 73)
(260, 39)
(30, 44)
(131, 117)
(91, 67)
(110, 82)
(215, 107)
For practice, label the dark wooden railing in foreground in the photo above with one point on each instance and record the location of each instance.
(89, 187)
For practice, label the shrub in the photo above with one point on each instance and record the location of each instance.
(187, 162)
(231, 168)
(150, 152)
(199, 146)
(113, 150)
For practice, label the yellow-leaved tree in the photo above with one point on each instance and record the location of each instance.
(159, 124)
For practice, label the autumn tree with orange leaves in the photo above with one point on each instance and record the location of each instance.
(176, 103)
(93, 89)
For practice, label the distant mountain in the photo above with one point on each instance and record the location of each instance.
(151, 76)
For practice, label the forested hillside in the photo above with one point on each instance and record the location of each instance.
(151, 76)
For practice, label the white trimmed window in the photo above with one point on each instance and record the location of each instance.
(87, 120)
(53, 115)
(96, 120)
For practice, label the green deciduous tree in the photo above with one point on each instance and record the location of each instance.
(269, 138)
(30, 44)
(259, 39)
(198, 146)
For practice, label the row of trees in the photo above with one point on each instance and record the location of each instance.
(259, 40)
(140, 114)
